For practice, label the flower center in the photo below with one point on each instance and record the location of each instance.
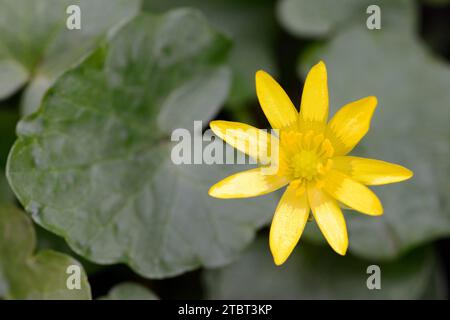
(304, 164)
(307, 155)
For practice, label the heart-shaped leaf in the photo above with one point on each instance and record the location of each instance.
(36, 46)
(94, 164)
(130, 291)
(318, 273)
(410, 127)
(251, 25)
(25, 275)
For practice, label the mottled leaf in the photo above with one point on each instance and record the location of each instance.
(94, 164)
(251, 25)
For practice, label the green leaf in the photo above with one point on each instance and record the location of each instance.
(36, 46)
(410, 127)
(130, 291)
(251, 25)
(318, 273)
(47, 240)
(94, 164)
(25, 275)
(322, 18)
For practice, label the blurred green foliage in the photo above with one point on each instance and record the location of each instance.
(93, 163)
(129, 291)
(315, 272)
(25, 275)
(36, 47)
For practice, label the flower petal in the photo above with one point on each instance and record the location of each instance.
(274, 101)
(351, 193)
(314, 105)
(330, 219)
(247, 139)
(349, 125)
(371, 171)
(247, 184)
(288, 223)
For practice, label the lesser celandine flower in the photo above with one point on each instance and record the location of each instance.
(312, 161)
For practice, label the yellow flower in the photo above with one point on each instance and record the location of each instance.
(312, 161)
